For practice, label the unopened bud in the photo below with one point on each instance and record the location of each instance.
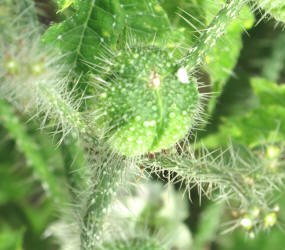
(11, 66)
(270, 220)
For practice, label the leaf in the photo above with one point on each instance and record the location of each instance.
(88, 33)
(12, 186)
(64, 4)
(146, 22)
(269, 93)
(186, 15)
(263, 124)
(149, 108)
(11, 239)
(274, 65)
(29, 148)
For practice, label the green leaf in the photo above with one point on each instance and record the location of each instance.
(188, 15)
(11, 239)
(29, 148)
(12, 186)
(88, 33)
(148, 108)
(263, 124)
(64, 4)
(269, 93)
(274, 65)
(146, 22)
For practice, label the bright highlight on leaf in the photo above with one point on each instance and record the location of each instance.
(64, 4)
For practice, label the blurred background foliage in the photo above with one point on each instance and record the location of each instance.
(252, 103)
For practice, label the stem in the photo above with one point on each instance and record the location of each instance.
(75, 165)
(28, 146)
(103, 186)
(67, 115)
(214, 31)
(275, 8)
(234, 177)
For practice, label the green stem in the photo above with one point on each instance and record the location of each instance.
(240, 180)
(63, 111)
(75, 165)
(103, 186)
(214, 31)
(29, 148)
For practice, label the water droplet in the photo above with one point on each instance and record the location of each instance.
(182, 75)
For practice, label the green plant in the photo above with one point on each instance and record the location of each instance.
(118, 84)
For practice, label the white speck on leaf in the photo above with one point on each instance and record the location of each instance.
(182, 75)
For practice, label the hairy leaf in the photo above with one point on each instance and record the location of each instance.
(150, 105)
(187, 15)
(145, 22)
(88, 33)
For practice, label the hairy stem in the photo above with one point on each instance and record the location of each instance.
(102, 188)
(75, 164)
(239, 178)
(213, 32)
(63, 111)
(28, 146)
